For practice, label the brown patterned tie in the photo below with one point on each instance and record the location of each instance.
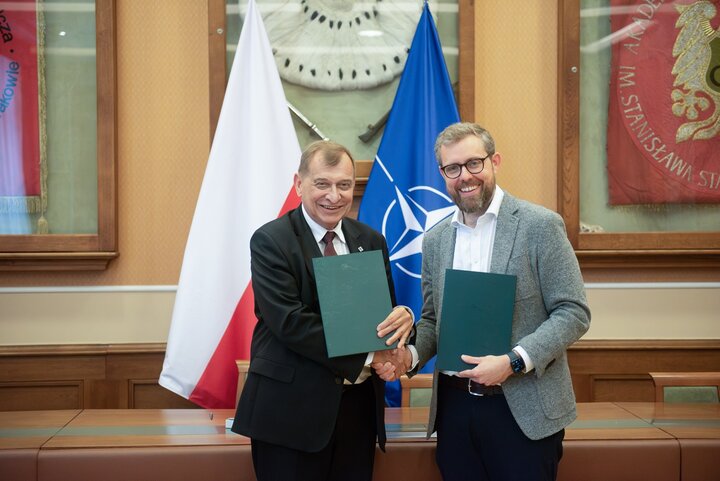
(329, 247)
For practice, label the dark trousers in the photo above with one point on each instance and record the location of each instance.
(478, 439)
(348, 456)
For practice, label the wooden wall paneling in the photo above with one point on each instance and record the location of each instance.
(126, 376)
(105, 394)
(135, 371)
(642, 356)
(617, 370)
(148, 394)
(48, 377)
(582, 385)
(616, 387)
(57, 367)
(41, 395)
(123, 368)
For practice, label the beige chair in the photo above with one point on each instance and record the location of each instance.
(416, 391)
(686, 387)
(242, 367)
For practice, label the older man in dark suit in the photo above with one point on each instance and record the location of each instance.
(311, 417)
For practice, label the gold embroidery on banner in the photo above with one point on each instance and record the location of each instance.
(697, 65)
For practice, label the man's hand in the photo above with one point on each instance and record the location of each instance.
(490, 370)
(400, 321)
(392, 364)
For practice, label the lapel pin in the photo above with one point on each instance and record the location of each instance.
(360, 249)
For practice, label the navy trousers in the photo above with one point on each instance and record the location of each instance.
(479, 440)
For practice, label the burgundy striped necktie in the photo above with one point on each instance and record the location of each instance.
(329, 247)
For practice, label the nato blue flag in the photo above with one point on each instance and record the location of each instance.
(405, 194)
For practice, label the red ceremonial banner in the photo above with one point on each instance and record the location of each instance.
(19, 112)
(663, 138)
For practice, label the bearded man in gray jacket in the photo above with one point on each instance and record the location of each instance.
(503, 419)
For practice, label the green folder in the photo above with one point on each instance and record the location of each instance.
(354, 298)
(476, 319)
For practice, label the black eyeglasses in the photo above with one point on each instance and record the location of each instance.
(474, 166)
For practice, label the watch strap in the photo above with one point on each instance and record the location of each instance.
(517, 364)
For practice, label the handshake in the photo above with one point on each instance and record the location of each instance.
(392, 364)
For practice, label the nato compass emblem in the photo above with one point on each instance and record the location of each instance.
(406, 219)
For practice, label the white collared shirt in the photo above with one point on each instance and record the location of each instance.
(473, 246)
(319, 231)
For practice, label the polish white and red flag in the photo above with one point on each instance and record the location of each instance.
(248, 181)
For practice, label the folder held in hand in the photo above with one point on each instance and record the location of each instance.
(354, 298)
(476, 317)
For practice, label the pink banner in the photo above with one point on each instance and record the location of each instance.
(19, 112)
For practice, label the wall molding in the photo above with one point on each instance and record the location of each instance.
(645, 345)
(173, 288)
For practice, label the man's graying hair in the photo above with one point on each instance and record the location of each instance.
(330, 154)
(456, 132)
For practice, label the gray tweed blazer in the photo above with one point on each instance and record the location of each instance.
(551, 310)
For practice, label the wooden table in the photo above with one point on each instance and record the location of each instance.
(106, 428)
(619, 441)
(605, 442)
(696, 427)
(124, 444)
(608, 442)
(22, 434)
